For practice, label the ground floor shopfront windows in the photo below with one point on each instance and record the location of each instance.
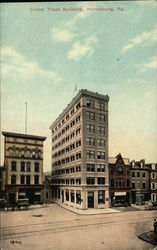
(120, 198)
(82, 199)
(33, 194)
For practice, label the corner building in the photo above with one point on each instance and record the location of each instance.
(80, 176)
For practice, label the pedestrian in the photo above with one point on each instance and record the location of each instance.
(155, 226)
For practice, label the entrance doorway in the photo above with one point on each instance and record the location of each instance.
(12, 198)
(62, 195)
(90, 199)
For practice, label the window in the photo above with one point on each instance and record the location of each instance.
(153, 175)
(22, 153)
(10, 152)
(153, 197)
(90, 167)
(133, 174)
(78, 181)
(101, 168)
(78, 118)
(90, 128)
(128, 183)
(101, 197)
(101, 106)
(36, 179)
(90, 115)
(72, 170)
(138, 174)
(90, 180)
(22, 179)
(33, 154)
(72, 181)
(22, 166)
(78, 143)
(36, 167)
(72, 195)
(78, 131)
(101, 143)
(90, 103)
(112, 183)
(101, 130)
(72, 123)
(78, 156)
(78, 197)
(78, 168)
(101, 117)
(78, 106)
(143, 185)
(13, 179)
(27, 153)
(144, 174)
(90, 154)
(28, 167)
(67, 195)
(17, 153)
(101, 180)
(101, 155)
(153, 185)
(28, 179)
(90, 141)
(13, 166)
(133, 185)
(67, 116)
(72, 111)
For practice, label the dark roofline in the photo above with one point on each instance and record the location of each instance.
(24, 136)
(81, 93)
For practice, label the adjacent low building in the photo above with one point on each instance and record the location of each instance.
(119, 175)
(23, 164)
(140, 182)
(2, 181)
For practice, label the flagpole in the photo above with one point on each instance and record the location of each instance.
(26, 120)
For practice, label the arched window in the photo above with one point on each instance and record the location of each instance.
(28, 153)
(22, 153)
(17, 153)
(33, 154)
(10, 152)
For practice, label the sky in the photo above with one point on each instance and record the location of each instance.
(105, 47)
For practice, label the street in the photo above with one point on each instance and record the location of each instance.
(51, 227)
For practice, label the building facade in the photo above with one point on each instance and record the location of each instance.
(153, 181)
(140, 182)
(80, 152)
(23, 163)
(119, 175)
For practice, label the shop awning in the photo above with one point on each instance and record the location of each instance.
(119, 193)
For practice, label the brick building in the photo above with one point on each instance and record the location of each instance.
(80, 152)
(23, 164)
(119, 175)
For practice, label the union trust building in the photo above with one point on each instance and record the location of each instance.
(80, 176)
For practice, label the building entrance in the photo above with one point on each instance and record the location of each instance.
(62, 195)
(90, 199)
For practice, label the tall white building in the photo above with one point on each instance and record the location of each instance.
(80, 176)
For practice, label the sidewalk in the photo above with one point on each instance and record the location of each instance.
(89, 211)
